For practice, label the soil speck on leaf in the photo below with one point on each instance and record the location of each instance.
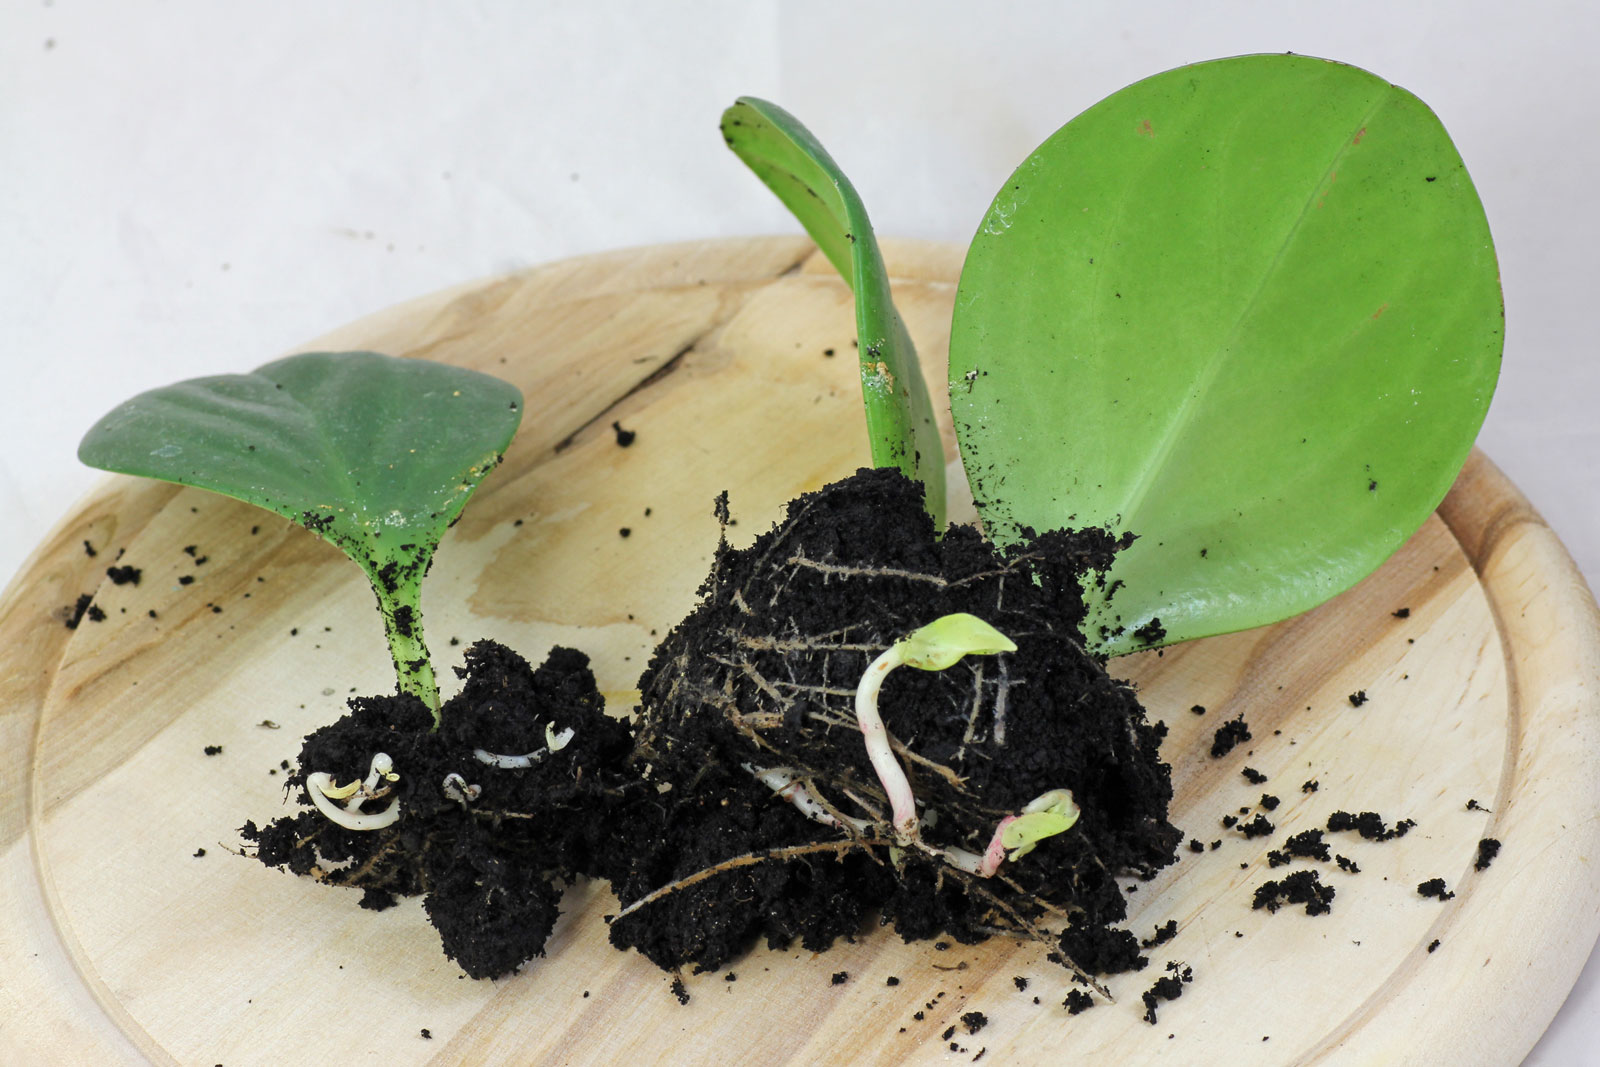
(124, 575)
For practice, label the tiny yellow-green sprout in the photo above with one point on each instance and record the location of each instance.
(943, 642)
(1045, 816)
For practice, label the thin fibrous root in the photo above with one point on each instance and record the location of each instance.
(749, 859)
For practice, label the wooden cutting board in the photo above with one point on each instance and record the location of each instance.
(733, 362)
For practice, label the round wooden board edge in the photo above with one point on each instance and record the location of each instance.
(51, 1011)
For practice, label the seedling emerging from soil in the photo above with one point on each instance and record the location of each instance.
(935, 647)
(374, 454)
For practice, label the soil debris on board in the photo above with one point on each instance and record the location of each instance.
(1369, 824)
(1168, 987)
(1228, 736)
(1435, 887)
(1301, 887)
(1488, 849)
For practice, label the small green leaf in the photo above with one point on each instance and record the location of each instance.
(792, 163)
(941, 643)
(375, 454)
(1247, 310)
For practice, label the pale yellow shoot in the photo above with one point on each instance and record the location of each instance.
(943, 642)
(1045, 816)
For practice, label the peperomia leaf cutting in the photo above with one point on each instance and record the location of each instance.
(1247, 310)
(375, 454)
(792, 163)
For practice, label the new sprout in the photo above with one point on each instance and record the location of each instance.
(323, 793)
(934, 647)
(553, 742)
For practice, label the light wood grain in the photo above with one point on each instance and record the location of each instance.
(120, 945)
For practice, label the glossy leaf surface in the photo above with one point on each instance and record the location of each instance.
(1247, 310)
(376, 454)
(784, 155)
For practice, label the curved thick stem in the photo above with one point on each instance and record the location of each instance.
(902, 802)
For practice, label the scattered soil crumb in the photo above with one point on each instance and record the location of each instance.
(213, 750)
(1434, 887)
(1310, 786)
(1369, 824)
(1199, 709)
(1253, 776)
(1257, 827)
(679, 990)
(1228, 735)
(73, 613)
(840, 977)
(124, 575)
(1169, 987)
(427, 1035)
(1473, 805)
(1307, 844)
(1163, 933)
(1269, 802)
(1403, 613)
(199, 852)
(1196, 845)
(1433, 945)
(89, 550)
(624, 437)
(1301, 887)
(1358, 698)
(974, 1021)
(731, 976)
(1077, 1002)
(1347, 865)
(1020, 982)
(1488, 849)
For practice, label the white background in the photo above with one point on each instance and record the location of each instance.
(196, 186)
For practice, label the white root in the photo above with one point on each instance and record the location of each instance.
(553, 742)
(785, 782)
(323, 794)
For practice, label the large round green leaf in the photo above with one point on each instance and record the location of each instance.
(1247, 310)
(376, 454)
